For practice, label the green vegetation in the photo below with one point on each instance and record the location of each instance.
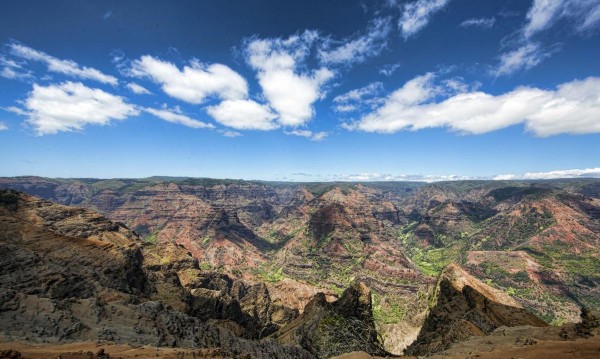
(151, 238)
(204, 240)
(432, 261)
(205, 266)
(387, 310)
(336, 334)
(504, 193)
(521, 277)
(559, 254)
(506, 233)
(8, 197)
(270, 273)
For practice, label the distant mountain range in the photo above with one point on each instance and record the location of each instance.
(536, 242)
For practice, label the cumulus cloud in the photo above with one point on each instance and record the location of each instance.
(358, 49)
(359, 98)
(243, 115)
(485, 23)
(523, 58)
(70, 106)
(138, 89)
(195, 82)
(175, 115)
(313, 136)
(573, 108)
(289, 89)
(572, 173)
(416, 15)
(65, 67)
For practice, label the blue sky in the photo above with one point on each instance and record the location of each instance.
(305, 90)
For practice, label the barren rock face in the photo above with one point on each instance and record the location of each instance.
(69, 274)
(465, 307)
(537, 241)
(326, 329)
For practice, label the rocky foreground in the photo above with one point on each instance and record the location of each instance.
(76, 284)
(70, 275)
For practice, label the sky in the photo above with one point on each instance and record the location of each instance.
(306, 90)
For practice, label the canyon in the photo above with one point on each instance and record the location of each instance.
(263, 266)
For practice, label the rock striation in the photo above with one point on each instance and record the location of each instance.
(326, 329)
(69, 274)
(463, 307)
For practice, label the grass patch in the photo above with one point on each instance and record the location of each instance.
(387, 310)
(270, 274)
(151, 238)
(432, 261)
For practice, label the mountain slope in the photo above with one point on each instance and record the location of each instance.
(69, 274)
(463, 307)
(537, 241)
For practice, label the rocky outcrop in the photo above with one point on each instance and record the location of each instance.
(236, 304)
(69, 274)
(304, 238)
(463, 307)
(326, 329)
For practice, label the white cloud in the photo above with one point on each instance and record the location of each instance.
(13, 70)
(541, 15)
(389, 69)
(371, 89)
(415, 15)
(12, 73)
(195, 82)
(66, 67)
(289, 90)
(523, 58)
(243, 115)
(228, 133)
(506, 177)
(362, 47)
(3, 126)
(359, 98)
(70, 106)
(572, 173)
(485, 23)
(573, 108)
(375, 176)
(313, 136)
(15, 110)
(138, 89)
(592, 16)
(176, 116)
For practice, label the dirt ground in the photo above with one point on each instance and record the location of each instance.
(95, 350)
(504, 343)
(517, 343)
